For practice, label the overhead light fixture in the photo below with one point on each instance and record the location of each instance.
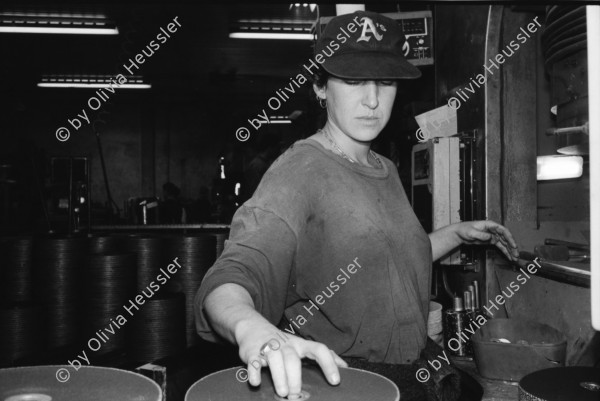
(280, 120)
(272, 29)
(557, 167)
(575, 150)
(285, 119)
(266, 35)
(56, 23)
(295, 114)
(92, 81)
(311, 6)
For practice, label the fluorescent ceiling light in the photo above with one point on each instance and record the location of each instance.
(559, 167)
(295, 114)
(284, 28)
(56, 23)
(279, 120)
(92, 81)
(80, 85)
(312, 6)
(58, 30)
(267, 35)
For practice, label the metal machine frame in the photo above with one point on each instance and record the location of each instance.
(448, 169)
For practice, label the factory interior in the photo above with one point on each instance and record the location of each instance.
(126, 154)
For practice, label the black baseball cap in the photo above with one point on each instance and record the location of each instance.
(373, 51)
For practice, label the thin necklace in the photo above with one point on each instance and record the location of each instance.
(326, 134)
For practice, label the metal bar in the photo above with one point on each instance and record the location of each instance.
(88, 194)
(574, 245)
(41, 192)
(550, 270)
(70, 230)
(150, 227)
(580, 129)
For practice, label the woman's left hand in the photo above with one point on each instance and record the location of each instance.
(488, 232)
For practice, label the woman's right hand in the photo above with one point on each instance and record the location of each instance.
(283, 356)
(231, 311)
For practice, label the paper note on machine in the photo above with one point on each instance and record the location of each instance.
(440, 122)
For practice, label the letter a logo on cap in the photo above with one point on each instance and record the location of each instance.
(369, 26)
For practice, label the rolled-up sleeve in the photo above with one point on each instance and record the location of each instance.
(258, 256)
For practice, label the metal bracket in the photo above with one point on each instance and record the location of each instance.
(156, 373)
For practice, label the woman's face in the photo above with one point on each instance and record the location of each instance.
(359, 108)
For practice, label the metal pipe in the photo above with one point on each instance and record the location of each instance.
(70, 195)
(41, 193)
(471, 296)
(574, 245)
(476, 294)
(581, 129)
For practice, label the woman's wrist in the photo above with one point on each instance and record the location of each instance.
(452, 235)
(457, 233)
(445, 240)
(252, 325)
(241, 330)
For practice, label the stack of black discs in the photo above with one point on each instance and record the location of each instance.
(58, 265)
(579, 383)
(158, 329)
(148, 251)
(195, 255)
(109, 285)
(23, 332)
(564, 33)
(15, 269)
(220, 238)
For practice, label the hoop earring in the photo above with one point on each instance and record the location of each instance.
(323, 103)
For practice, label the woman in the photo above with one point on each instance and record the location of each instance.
(328, 248)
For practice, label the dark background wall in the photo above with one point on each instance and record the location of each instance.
(204, 86)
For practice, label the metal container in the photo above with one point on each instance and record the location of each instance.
(76, 382)
(455, 322)
(533, 346)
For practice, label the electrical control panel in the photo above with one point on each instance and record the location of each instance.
(419, 38)
(443, 188)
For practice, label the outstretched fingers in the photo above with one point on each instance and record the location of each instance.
(504, 237)
(326, 360)
(285, 364)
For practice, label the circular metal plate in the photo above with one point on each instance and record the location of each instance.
(88, 383)
(356, 385)
(562, 383)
